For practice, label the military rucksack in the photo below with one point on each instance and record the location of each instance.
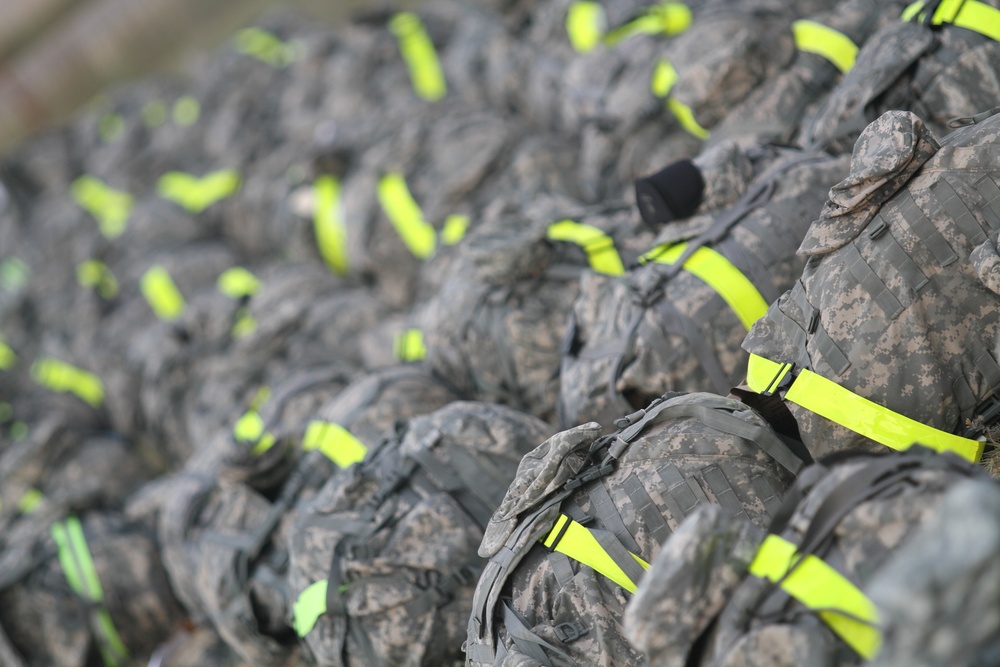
(675, 323)
(586, 512)
(723, 592)
(383, 560)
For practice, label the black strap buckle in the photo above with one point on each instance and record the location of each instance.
(569, 632)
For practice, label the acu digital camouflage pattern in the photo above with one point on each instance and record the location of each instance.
(660, 329)
(396, 536)
(47, 623)
(899, 300)
(701, 574)
(686, 457)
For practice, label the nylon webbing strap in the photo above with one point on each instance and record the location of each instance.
(162, 294)
(662, 83)
(111, 208)
(61, 377)
(78, 567)
(308, 607)
(718, 273)
(600, 248)
(969, 14)
(405, 215)
(842, 606)
(421, 58)
(335, 442)
(579, 543)
(856, 413)
(824, 41)
(195, 194)
(328, 224)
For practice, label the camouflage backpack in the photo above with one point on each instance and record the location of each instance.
(722, 592)
(889, 336)
(586, 512)
(675, 322)
(383, 560)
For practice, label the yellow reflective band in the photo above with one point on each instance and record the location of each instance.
(842, 606)
(579, 543)
(237, 283)
(833, 45)
(244, 325)
(14, 274)
(308, 607)
(421, 58)
(585, 24)
(600, 248)
(969, 14)
(328, 224)
(154, 114)
(842, 406)
(406, 217)
(95, 273)
(162, 294)
(186, 111)
(454, 229)
(7, 357)
(409, 346)
(196, 194)
(718, 273)
(110, 127)
(62, 377)
(111, 208)
(662, 83)
(30, 501)
(335, 442)
(265, 47)
(667, 19)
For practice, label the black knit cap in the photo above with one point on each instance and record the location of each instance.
(672, 193)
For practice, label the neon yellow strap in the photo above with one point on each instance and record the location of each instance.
(308, 607)
(7, 357)
(720, 274)
(30, 501)
(662, 83)
(61, 377)
(78, 567)
(420, 56)
(266, 47)
(667, 19)
(186, 111)
(162, 294)
(95, 273)
(585, 24)
(237, 283)
(969, 14)
(335, 442)
(842, 406)
(196, 194)
(405, 215)
(841, 605)
(409, 346)
(579, 543)
(111, 208)
(249, 428)
(600, 248)
(454, 229)
(328, 224)
(835, 46)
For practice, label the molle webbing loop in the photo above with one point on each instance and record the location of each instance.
(969, 14)
(720, 274)
(843, 607)
(78, 567)
(826, 42)
(421, 58)
(842, 406)
(600, 248)
(596, 549)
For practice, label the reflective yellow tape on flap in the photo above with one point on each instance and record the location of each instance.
(111, 208)
(308, 607)
(842, 406)
(842, 606)
(162, 294)
(409, 346)
(579, 543)
(62, 377)
(406, 217)
(420, 56)
(833, 45)
(662, 83)
(335, 442)
(7, 357)
(600, 248)
(328, 224)
(585, 24)
(196, 194)
(237, 283)
(721, 275)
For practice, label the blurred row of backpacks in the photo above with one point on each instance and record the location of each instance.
(412, 342)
